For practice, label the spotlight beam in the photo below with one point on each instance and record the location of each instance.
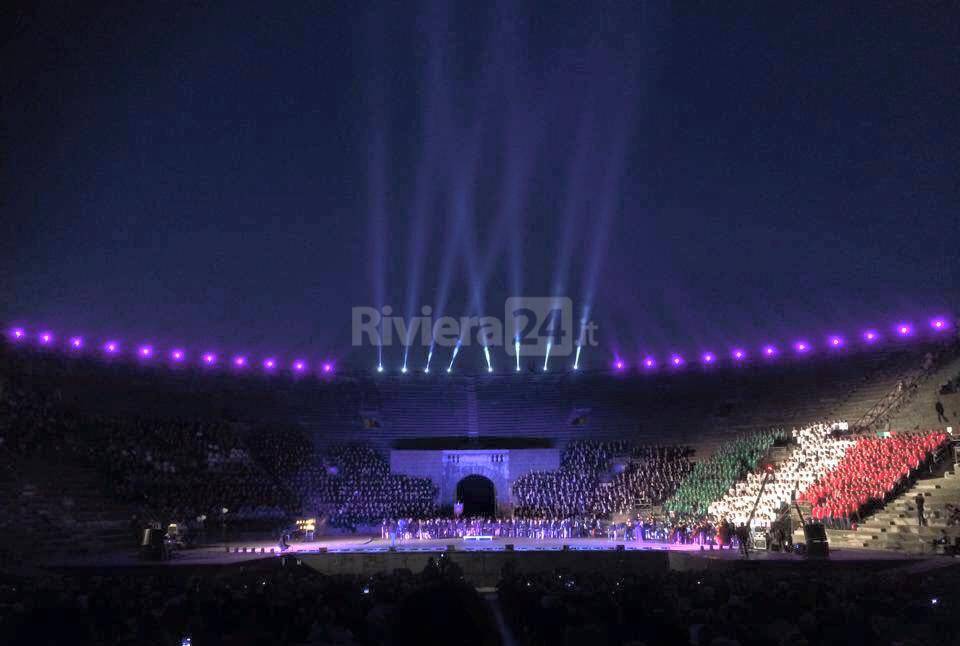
(546, 358)
(576, 360)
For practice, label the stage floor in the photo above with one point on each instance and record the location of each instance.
(238, 552)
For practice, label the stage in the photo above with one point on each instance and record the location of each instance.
(483, 561)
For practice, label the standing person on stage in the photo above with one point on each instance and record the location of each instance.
(919, 500)
(743, 536)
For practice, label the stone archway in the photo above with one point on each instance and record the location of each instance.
(478, 496)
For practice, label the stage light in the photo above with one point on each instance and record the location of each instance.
(18, 333)
(177, 355)
(486, 354)
(870, 336)
(649, 363)
(546, 358)
(836, 341)
(327, 368)
(145, 351)
(269, 364)
(676, 360)
(801, 347)
(209, 358)
(456, 351)
(76, 342)
(939, 324)
(111, 347)
(619, 364)
(380, 367)
(299, 365)
(708, 357)
(240, 361)
(904, 329)
(770, 351)
(576, 360)
(738, 354)
(403, 370)
(46, 338)
(516, 352)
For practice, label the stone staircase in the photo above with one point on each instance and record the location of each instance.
(895, 526)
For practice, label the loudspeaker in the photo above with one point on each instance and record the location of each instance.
(508, 547)
(815, 536)
(621, 548)
(151, 545)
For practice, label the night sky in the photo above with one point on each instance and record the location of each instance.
(239, 175)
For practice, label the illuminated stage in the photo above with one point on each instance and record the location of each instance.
(483, 561)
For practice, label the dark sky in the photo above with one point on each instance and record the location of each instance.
(239, 175)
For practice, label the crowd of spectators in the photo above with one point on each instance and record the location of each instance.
(819, 448)
(742, 607)
(587, 484)
(870, 472)
(274, 602)
(711, 478)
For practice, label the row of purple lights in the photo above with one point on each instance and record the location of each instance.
(147, 352)
(801, 347)
(179, 356)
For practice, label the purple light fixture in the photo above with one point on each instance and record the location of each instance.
(939, 324)
(299, 365)
(18, 333)
(76, 342)
(802, 347)
(870, 336)
(708, 358)
(145, 351)
(676, 360)
(770, 351)
(269, 364)
(835, 341)
(177, 355)
(327, 368)
(111, 347)
(209, 359)
(240, 361)
(738, 354)
(904, 329)
(649, 363)
(619, 365)
(46, 338)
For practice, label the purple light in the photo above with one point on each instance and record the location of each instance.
(327, 368)
(904, 329)
(649, 363)
(870, 336)
(708, 357)
(299, 365)
(618, 364)
(177, 355)
(801, 347)
(46, 338)
(145, 352)
(240, 361)
(769, 351)
(939, 324)
(111, 347)
(209, 358)
(676, 360)
(738, 354)
(836, 341)
(17, 333)
(269, 364)
(76, 342)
